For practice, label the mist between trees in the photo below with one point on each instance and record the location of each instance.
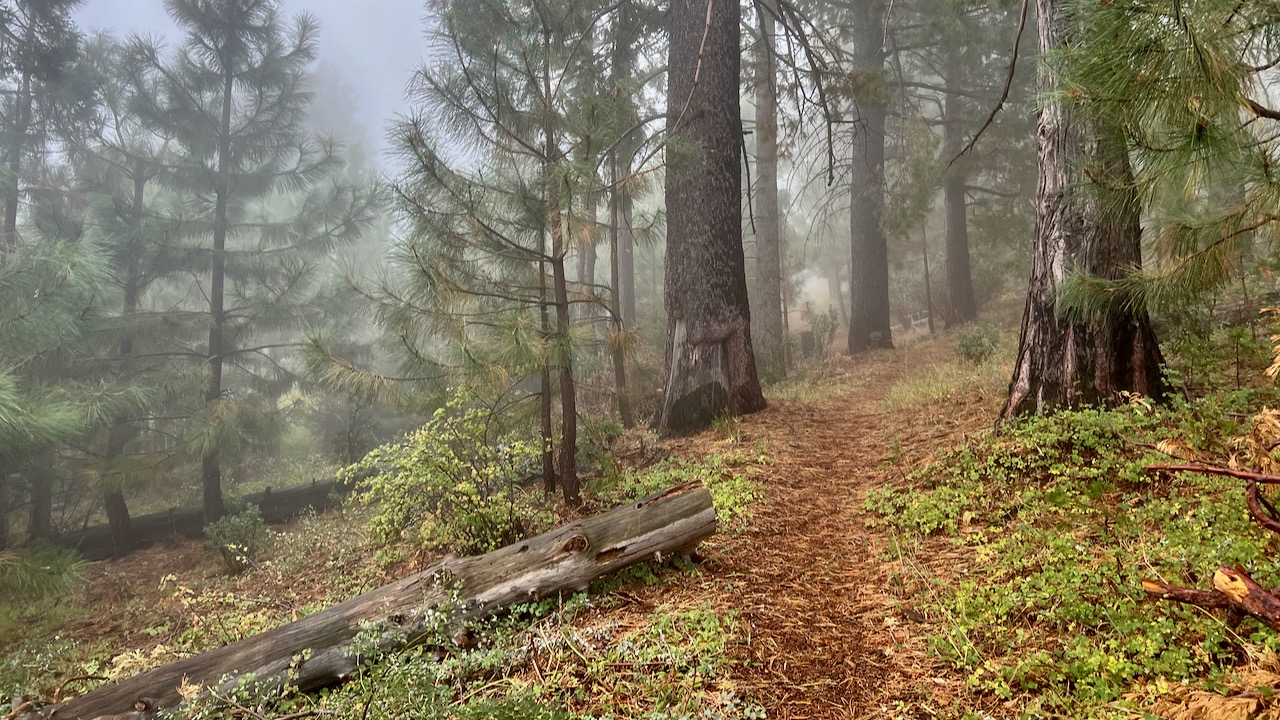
(602, 213)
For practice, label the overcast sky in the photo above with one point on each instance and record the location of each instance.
(374, 43)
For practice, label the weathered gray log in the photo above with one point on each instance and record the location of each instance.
(95, 543)
(318, 650)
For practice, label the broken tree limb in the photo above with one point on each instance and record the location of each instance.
(1264, 478)
(319, 650)
(1248, 595)
(1209, 599)
(1233, 590)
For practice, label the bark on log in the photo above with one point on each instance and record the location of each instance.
(96, 543)
(1233, 590)
(316, 651)
(1248, 595)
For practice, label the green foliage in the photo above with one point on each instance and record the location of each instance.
(1204, 181)
(823, 325)
(977, 343)
(239, 536)
(552, 661)
(450, 486)
(1059, 522)
(1205, 357)
(212, 615)
(728, 476)
(32, 573)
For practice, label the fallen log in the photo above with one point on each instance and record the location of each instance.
(318, 650)
(96, 543)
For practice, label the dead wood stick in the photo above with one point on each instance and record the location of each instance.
(1248, 595)
(1233, 590)
(1210, 599)
(1264, 478)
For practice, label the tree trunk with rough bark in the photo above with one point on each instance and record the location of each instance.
(963, 308)
(870, 325)
(768, 218)
(317, 650)
(1090, 226)
(710, 363)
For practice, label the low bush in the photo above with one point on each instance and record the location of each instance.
(977, 343)
(449, 486)
(238, 536)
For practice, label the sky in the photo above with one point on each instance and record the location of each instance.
(375, 44)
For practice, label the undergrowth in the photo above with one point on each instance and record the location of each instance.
(1025, 552)
(592, 655)
(982, 374)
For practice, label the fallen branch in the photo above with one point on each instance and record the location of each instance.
(1248, 595)
(320, 650)
(1209, 599)
(1233, 590)
(1264, 478)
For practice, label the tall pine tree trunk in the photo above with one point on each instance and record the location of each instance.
(711, 366)
(568, 465)
(118, 437)
(869, 321)
(616, 349)
(211, 465)
(959, 273)
(768, 220)
(626, 257)
(587, 258)
(1064, 362)
(546, 398)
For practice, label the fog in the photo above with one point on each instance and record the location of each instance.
(374, 45)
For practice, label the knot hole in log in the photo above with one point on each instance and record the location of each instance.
(575, 544)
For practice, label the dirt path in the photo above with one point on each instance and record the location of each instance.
(807, 577)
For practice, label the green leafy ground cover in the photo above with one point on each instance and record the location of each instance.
(1025, 550)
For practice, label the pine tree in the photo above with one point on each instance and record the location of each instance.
(258, 198)
(711, 367)
(484, 267)
(39, 45)
(1183, 88)
(869, 319)
(768, 221)
(1087, 219)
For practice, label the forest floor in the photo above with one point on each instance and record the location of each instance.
(826, 630)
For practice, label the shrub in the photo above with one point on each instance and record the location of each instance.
(977, 344)
(449, 486)
(36, 572)
(239, 536)
(823, 325)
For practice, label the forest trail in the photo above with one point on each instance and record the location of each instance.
(825, 618)
(808, 577)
